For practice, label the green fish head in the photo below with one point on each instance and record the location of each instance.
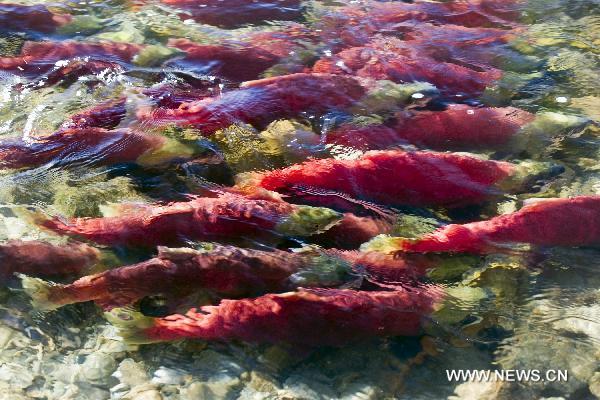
(130, 324)
(307, 220)
(530, 173)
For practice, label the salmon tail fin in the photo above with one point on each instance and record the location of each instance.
(131, 325)
(39, 291)
(32, 215)
(42, 220)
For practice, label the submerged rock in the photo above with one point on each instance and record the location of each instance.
(85, 199)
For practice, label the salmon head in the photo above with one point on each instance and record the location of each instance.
(307, 220)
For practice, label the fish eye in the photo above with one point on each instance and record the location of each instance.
(124, 316)
(154, 306)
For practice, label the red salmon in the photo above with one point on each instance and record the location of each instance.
(339, 317)
(43, 259)
(227, 216)
(396, 177)
(263, 101)
(548, 222)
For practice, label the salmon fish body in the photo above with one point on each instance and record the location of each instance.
(107, 115)
(474, 48)
(352, 231)
(69, 71)
(281, 42)
(30, 18)
(244, 59)
(263, 101)
(460, 127)
(464, 127)
(367, 137)
(43, 259)
(171, 96)
(549, 222)
(395, 60)
(202, 218)
(226, 271)
(232, 13)
(241, 63)
(385, 270)
(472, 14)
(340, 316)
(110, 113)
(85, 145)
(37, 58)
(453, 35)
(396, 177)
(355, 25)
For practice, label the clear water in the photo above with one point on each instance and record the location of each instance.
(537, 310)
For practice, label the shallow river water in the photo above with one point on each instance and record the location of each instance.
(134, 110)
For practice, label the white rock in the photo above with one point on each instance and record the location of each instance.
(476, 391)
(594, 384)
(168, 376)
(98, 367)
